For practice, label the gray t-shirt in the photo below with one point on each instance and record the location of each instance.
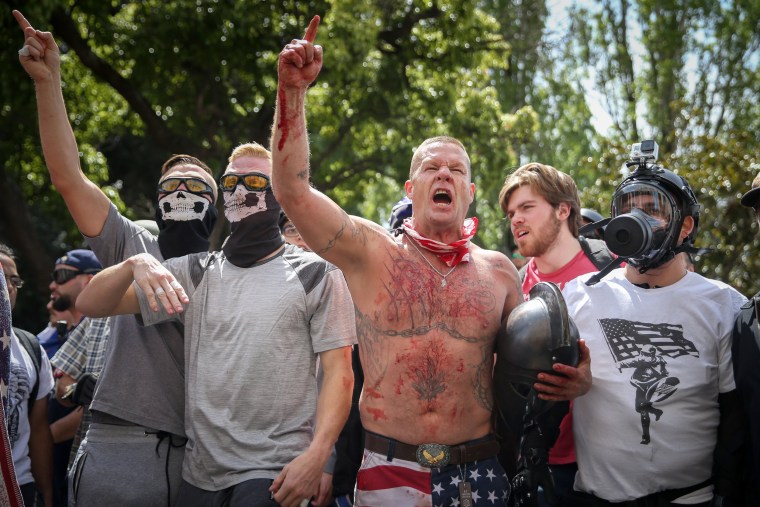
(252, 339)
(143, 376)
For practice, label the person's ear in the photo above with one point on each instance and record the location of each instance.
(563, 211)
(687, 227)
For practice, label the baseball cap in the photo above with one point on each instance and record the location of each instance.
(81, 259)
(750, 198)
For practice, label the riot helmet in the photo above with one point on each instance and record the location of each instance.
(537, 334)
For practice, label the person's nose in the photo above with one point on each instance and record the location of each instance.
(517, 219)
(444, 173)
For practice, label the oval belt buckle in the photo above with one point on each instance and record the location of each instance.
(433, 455)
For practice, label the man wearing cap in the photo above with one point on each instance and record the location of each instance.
(27, 410)
(745, 352)
(71, 274)
(139, 403)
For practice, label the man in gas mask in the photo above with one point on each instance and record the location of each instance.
(661, 446)
(258, 314)
(139, 399)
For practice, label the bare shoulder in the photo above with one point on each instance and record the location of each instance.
(370, 244)
(501, 269)
(497, 261)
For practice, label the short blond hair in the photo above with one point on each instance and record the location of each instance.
(417, 157)
(250, 150)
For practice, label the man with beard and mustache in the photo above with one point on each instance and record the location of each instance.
(133, 451)
(258, 314)
(72, 272)
(544, 211)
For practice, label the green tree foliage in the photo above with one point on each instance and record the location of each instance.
(145, 79)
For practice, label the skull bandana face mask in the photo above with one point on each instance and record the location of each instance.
(254, 229)
(185, 221)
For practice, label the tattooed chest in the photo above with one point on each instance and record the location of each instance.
(413, 297)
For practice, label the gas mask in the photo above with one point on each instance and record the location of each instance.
(648, 212)
(645, 225)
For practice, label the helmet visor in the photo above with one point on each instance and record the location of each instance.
(655, 203)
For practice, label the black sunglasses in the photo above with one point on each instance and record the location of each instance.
(193, 185)
(61, 276)
(251, 181)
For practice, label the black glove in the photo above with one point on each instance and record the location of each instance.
(532, 472)
(85, 388)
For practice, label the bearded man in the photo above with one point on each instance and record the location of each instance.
(544, 211)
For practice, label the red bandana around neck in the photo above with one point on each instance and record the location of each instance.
(450, 253)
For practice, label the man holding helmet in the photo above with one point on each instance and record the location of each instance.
(653, 310)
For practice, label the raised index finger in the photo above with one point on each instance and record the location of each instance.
(23, 23)
(311, 32)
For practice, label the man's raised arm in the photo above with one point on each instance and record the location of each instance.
(325, 227)
(41, 59)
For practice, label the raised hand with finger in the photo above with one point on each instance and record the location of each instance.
(301, 60)
(39, 55)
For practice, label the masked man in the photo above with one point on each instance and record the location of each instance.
(139, 399)
(661, 341)
(260, 312)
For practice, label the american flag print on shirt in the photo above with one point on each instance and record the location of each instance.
(626, 337)
(406, 483)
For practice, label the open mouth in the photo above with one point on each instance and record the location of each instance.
(441, 197)
(521, 234)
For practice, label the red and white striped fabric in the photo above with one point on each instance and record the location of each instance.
(400, 482)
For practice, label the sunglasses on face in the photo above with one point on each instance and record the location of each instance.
(61, 276)
(194, 185)
(251, 181)
(14, 281)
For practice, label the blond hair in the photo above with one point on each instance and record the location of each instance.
(418, 153)
(250, 150)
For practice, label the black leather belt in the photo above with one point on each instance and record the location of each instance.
(432, 455)
(659, 499)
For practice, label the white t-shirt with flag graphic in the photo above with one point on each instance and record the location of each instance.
(659, 359)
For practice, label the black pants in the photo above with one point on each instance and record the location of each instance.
(251, 493)
(586, 500)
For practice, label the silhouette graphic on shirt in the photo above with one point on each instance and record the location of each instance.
(652, 383)
(643, 346)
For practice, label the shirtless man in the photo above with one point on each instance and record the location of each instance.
(428, 307)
